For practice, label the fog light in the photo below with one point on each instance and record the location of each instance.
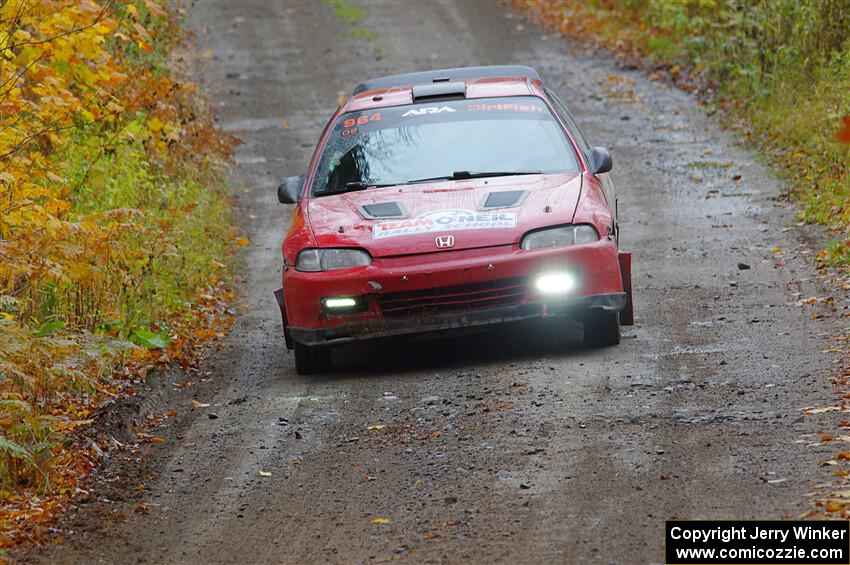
(339, 303)
(555, 283)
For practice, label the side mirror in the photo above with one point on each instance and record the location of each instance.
(289, 191)
(599, 160)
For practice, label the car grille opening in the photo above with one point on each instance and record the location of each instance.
(475, 296)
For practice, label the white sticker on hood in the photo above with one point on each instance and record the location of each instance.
(444, 220)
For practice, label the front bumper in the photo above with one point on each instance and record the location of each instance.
(464, 288)
(386, 327)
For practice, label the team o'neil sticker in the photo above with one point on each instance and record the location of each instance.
(444, 220)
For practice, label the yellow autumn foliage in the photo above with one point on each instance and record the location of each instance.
(114, 219)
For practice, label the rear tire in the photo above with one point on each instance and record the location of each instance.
(602, 329)
(310, 360)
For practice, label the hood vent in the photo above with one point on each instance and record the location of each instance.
(383, 210)
(504, 199)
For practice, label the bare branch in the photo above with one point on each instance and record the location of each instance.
(33, 136)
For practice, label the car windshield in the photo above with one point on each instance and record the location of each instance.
(445, 139)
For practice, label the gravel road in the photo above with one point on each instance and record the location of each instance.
(510, 446)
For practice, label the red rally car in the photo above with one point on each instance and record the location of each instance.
(450, 199)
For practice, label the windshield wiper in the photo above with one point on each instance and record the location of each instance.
(459, 175)
(356, 185)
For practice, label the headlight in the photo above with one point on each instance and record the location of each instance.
(561, 236)
(555, 283)
(315, 260)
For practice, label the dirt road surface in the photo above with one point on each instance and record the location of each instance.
(508, 446)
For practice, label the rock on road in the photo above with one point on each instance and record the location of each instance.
(509, 446)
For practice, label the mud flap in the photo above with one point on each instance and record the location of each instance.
(627, 316)
(278, 294)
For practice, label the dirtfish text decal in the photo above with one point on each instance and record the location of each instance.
(444, 220)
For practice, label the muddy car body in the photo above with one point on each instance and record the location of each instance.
(450, 199)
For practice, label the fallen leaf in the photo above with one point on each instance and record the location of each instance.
(823, 410)
(242, 241)
(376, 427)
(150, 340)
(265, 473)
(380, 520)
(196, 404)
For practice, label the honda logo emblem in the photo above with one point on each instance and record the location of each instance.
(445, 241)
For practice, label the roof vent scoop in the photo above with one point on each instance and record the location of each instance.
(439, 90)
(383, 210)
(504, 199)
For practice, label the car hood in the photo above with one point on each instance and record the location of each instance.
(409, 219)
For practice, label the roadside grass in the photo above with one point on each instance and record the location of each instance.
(347, 11)
(116, 233)
(778, 69)
(353, 15)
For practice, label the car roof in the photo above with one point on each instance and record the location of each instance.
(446, 75)
(465, 82)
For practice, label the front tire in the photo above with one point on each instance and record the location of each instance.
(602, 329)
(310, 360)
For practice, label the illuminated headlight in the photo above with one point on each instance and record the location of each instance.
(555, 283)
(315, 260)
(561, 236)
(338, 303)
